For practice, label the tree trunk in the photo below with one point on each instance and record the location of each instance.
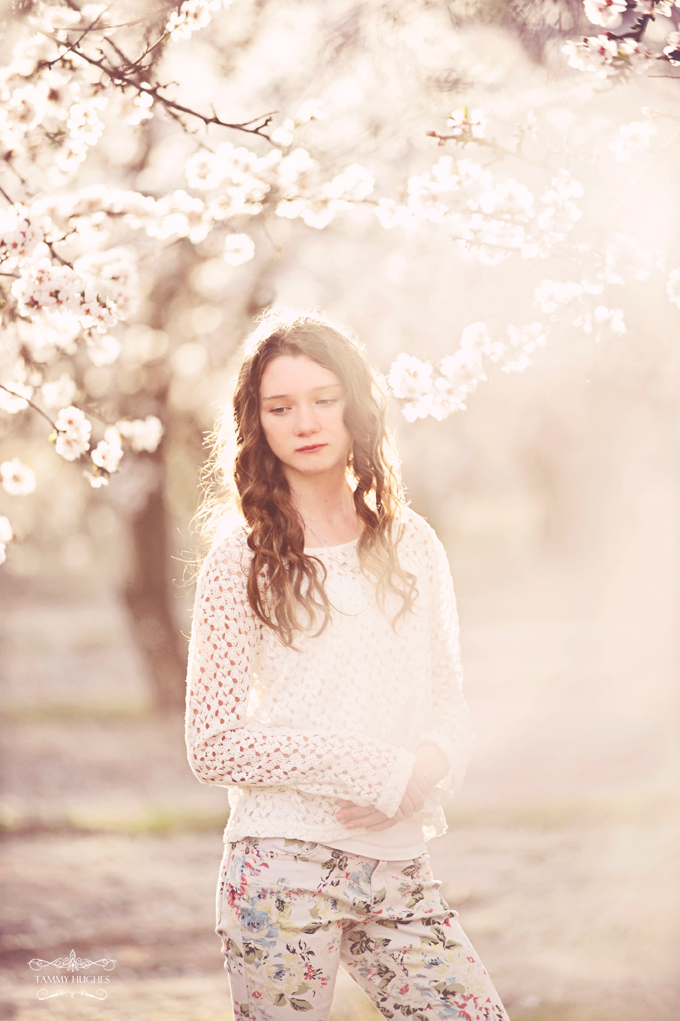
(147, 597)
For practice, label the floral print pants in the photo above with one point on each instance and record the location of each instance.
(289, 912)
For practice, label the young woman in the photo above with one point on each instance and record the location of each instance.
(324, 691)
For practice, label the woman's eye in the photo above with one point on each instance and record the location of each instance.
(326, 400)
(277, 411)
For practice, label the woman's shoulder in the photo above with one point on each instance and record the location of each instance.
(229, 552)
(416, 530)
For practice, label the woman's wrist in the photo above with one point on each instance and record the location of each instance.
(432, 762)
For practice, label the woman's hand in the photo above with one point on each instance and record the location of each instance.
(430, 766)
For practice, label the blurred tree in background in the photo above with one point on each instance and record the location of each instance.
(425, 171)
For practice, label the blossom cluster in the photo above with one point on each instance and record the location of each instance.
(632, 138)
(46, 286)
(19, 236)
(575, 299)
(241, 182)
(50, 104)
(608, 55)
(609, 13)
(467, 125)
(493, 217)
(72, 440)
(423, 390)
(192, 16)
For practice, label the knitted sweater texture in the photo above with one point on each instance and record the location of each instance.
(291, 730)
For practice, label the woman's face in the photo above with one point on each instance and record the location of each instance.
(302, 407)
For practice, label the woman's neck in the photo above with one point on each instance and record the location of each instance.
(327, 509)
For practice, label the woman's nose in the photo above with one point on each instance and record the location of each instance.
(306, 421)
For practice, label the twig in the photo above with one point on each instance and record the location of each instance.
(6, 196)
(72, 47)
(32, 405)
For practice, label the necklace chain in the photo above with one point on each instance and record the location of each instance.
(325, 544)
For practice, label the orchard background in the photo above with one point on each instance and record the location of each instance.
(488, 193)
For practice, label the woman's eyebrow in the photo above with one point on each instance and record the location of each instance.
(315, 389)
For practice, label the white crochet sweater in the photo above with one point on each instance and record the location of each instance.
(290, 731)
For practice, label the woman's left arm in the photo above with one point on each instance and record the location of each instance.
(449, 727)
(445, 744)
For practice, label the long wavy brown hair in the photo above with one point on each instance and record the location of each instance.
(286, 585)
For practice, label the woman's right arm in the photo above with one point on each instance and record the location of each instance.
(225, 749)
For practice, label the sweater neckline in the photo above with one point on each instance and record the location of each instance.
(331, 549)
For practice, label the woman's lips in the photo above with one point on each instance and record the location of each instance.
(310, 449)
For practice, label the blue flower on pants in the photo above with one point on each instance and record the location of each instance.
(257, 923)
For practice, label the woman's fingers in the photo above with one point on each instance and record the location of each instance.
(352, 811)
(386, 824)
(375, 820)
(368, 817)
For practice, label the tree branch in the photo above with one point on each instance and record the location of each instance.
(123, 80)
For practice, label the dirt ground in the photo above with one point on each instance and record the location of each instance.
(561, 854)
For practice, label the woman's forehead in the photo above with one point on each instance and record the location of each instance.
(290, 374)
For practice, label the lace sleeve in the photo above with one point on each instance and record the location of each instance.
(224, 748)
(450, 727)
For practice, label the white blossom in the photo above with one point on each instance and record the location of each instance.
(390, 213)
(466, 125)
(310, 110)
(624, 258)
(142, 108)
(142, 434)
(114, 274)
(411, 381)
(673, 286)
(192, 16)
(284, 134)
(631, 138)
(463, 371)
(550, 294)
(85, 127)
(296, 173)
(19, 236)
(73, 433)
(96, 479)
(663, 7)
(27, 107)
(507, 198)
(523, 341)
(17, 478)
(606, 13)
(102, 348)
(410, 377)
(353, 185)
(602, 323)
(178, 215)
(430, 192)
(59, 392)
(238, 248)
(108, 452)
(6, 535)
